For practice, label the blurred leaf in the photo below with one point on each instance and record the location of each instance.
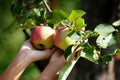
(68, 52)
(116, 23)
(104, 29)
(106, 58)
(29, 23)
(89, 53)
(89, 33)
(37, 12)
(41, 16)
(75, 14)
(80, 23)
(103, 42)
(25, 13)
(57, 16)
(74, 35)
(64, 72)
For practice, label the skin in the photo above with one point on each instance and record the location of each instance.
(27, 55)
(57, 61)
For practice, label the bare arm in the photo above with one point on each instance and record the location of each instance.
(51, 72)
(26, 55)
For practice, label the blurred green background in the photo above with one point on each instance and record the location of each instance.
(11, 40)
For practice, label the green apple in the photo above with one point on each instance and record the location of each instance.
(42, 37)
(61, 39)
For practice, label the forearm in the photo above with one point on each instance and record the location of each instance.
(16, 68)
(51, 72)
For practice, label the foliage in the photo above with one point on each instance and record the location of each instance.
(33, 13)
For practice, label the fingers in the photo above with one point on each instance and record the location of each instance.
(58, 57)
(41, 55)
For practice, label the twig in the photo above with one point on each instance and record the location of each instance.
(77, 49)
(47, 6)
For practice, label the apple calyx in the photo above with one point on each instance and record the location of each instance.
(42, 37)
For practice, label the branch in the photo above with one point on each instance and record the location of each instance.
(46, 5)
(48, 8)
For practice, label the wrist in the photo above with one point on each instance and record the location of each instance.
(24, 56)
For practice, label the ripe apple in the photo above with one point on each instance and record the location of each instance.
(117, 57)
(42, 37)
(61, 39)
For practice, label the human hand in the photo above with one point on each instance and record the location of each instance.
(33, 54)
(57, 61)
(25, 56)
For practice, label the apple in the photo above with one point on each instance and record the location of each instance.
(117, 57)
(42, 37)
(61, 39)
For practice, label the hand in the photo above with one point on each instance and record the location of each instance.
(33, 54)
(57, 57)
(57, 61)
(26, 55)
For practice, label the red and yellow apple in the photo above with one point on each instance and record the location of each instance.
(61, 39)
(42, 37)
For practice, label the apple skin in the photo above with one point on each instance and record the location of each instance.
(61, 40)
(117, 57)
(42, 37)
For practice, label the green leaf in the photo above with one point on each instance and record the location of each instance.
(116, 23)
(64, 72)
(89, 33)
(90, 53)
(42, 17)
(106, 58)
(26, 13)
(104, 42)
(80, 23)
(56, 16)
(75, 14)
(68, 52)
(74, 35)
(104, 29)
(37, 12)
(29, 23)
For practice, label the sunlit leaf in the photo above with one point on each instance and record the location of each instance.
(37, 12)
(75, 14)
(74, 35)
(80, 23)
(57, 16)
(28, 24)
(104, 42)
(104, 29)
(90, 53)
(116, 23)
(65, 71)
